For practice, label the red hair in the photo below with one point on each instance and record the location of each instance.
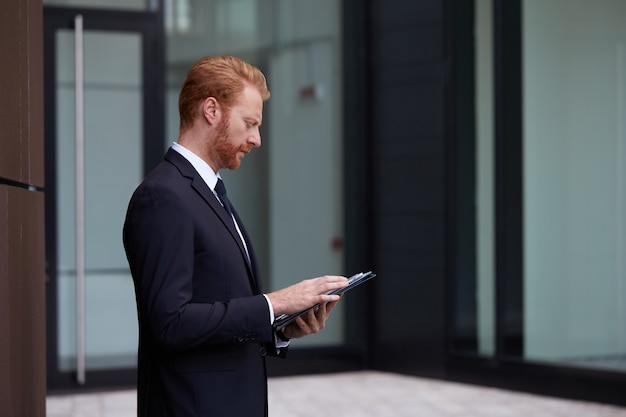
(221, 77)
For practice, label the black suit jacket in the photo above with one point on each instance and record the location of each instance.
(204, 325)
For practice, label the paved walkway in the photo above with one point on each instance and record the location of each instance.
(364, 394)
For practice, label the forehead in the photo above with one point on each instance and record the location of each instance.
(249, 104)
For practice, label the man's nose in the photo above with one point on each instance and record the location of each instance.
(255, 139)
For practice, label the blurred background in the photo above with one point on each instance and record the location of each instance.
(471, 153)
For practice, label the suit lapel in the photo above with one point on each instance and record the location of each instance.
(198, 184)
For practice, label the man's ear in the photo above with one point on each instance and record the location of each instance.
(211, 110)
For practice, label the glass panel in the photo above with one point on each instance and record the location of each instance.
(297, 43)
(113, 155)
(485, 217)
(574, 182)
(304, 133)
(103, 4)
(474, 275)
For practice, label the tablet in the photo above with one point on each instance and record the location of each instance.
(354, 281)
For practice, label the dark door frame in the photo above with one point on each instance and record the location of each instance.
(150, 25)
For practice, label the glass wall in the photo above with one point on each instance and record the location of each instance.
(574, 89)
(573, 176)
(289, 192)
(485, 179)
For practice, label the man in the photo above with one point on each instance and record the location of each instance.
(204, 324)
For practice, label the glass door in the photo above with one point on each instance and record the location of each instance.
(101, 138)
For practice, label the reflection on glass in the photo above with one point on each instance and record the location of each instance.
(485, 217)
(297, 173)
(575, 182)
(178, 16)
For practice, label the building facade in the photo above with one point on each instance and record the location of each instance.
(470, 153)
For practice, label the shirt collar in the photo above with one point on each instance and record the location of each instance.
(206, 172)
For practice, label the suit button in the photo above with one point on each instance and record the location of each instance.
(262, 351)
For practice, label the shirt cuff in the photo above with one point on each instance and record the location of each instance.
(279, 343)
(269, 304)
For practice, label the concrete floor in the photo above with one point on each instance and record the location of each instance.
(363, 394)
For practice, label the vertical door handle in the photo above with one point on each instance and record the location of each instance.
(80, 201)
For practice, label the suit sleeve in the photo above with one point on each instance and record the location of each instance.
(160, 244)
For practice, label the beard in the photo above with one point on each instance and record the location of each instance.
(225, 150)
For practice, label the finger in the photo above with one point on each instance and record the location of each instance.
(320, 311)
(310, 322)
(332, 286)
(323, 312)
(329, 298)
(310, 317)
(340, 278)
(337, 281)
(330, 306)
(292, 331)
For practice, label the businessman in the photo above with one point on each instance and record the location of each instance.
(205, 324)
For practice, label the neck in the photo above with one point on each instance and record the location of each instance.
(199, 145)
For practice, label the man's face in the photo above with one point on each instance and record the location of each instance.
(238, 131)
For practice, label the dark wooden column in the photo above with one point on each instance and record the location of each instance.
(22, 256)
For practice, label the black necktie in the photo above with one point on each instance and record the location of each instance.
(220, 189)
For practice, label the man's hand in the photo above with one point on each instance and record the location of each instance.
(312, 322)
(306, 294)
